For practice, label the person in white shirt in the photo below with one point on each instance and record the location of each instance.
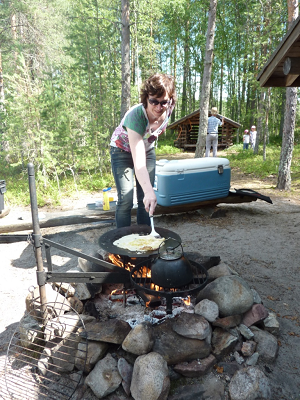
(253, 133)
(213, 124)
(246, 140)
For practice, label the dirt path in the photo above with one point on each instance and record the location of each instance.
(259, 240)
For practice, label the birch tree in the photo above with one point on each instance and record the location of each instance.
(284, 171)
(206, 81)
(125, 98)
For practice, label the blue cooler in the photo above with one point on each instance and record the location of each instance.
(191, 181)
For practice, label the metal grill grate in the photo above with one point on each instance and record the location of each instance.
(42, 355)
(141, 279)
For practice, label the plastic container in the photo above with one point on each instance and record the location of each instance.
(106, 206)
(189, 181)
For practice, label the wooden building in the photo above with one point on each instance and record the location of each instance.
(283, 67)
(187, 131)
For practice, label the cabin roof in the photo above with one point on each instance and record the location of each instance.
(272, 74)
(196, 114)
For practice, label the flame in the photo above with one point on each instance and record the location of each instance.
(154, 287)
(117, 260)
(187, 301)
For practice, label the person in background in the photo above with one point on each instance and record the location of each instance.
(253, 136)
(132, 148)
(246, 139)
(212, 132)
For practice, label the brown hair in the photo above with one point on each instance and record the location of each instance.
(158, 85)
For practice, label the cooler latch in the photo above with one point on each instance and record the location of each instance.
(220, 169)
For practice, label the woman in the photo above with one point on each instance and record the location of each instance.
(133, 148)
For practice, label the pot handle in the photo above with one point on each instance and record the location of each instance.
(169, 248)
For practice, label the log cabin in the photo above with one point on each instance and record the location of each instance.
(187, 131)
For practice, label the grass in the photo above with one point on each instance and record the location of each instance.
(254, 164)
(48, 192)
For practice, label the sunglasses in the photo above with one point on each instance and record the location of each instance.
(155, 102)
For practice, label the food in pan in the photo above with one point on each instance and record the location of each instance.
(139, 243)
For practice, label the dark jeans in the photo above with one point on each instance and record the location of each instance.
(123, 171)
(245, 146)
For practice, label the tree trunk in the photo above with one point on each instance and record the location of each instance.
(284, 171)
(283, 101)
(185, 79)
(1, 85)
(260, 125)
(205, 88)
(125, 97)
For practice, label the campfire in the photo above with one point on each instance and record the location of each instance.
(166, 274)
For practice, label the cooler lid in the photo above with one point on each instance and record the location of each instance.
(195, 164)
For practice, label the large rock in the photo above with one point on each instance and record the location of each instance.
(125, 370)
(258, 312)
(223, 342)
(104, 378)
(111, 331)
(196, 368)
(249, 384)
(88, 356)
(228, 322)
(192, 326)
(231, 293)
(208, 309)
(267, 344)
(220, 270)
(271, 324)
(139, 340)
(150, 378)
(176, 348)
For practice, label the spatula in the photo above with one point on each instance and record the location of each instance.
(153, 231)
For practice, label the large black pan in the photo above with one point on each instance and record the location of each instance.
(107, 239)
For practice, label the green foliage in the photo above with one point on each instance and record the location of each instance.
(253, 164)
(62, 67)
(166, 144)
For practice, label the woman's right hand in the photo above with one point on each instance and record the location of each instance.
(150, 201)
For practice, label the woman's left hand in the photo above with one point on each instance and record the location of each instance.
(139, 159)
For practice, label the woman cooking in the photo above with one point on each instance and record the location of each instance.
(132, 148)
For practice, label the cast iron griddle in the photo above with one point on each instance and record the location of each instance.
(107, 239)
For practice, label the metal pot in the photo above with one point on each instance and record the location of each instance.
(170, 269)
